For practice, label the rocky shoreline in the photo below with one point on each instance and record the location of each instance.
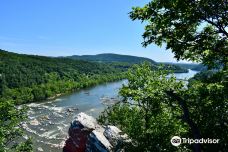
(48, 122)
(46, 125)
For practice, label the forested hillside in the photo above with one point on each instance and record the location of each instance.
(126, 61)
(27, 78)
(109, 57)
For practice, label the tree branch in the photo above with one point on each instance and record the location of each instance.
(220, 28)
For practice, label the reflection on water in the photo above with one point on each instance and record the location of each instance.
(185, 76)
(49, 121)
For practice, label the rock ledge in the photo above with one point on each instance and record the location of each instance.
(86, 135)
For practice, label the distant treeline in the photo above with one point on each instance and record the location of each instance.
(192, 66)
(126, 61)
(28, 78)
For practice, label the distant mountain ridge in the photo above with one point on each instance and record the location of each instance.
(111, 57)
(125, 61)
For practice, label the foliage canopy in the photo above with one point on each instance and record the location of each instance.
(193, 29)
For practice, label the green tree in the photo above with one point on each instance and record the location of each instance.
(145, 113)
(26, 146)
(2, 84)
(10, 130)
(193, 29)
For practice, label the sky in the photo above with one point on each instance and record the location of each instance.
(74, 27)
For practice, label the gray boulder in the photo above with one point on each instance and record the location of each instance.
(85, 134)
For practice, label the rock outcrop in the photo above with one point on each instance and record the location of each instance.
(86, 135)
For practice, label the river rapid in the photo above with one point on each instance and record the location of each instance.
(49, 121)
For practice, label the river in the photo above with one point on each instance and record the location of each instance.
(49, 121)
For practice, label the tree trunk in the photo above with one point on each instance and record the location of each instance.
(186, 118)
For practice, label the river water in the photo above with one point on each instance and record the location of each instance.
(49, 121)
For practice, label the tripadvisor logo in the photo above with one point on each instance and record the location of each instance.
(176, 141)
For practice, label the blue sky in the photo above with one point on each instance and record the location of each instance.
(74, 27)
